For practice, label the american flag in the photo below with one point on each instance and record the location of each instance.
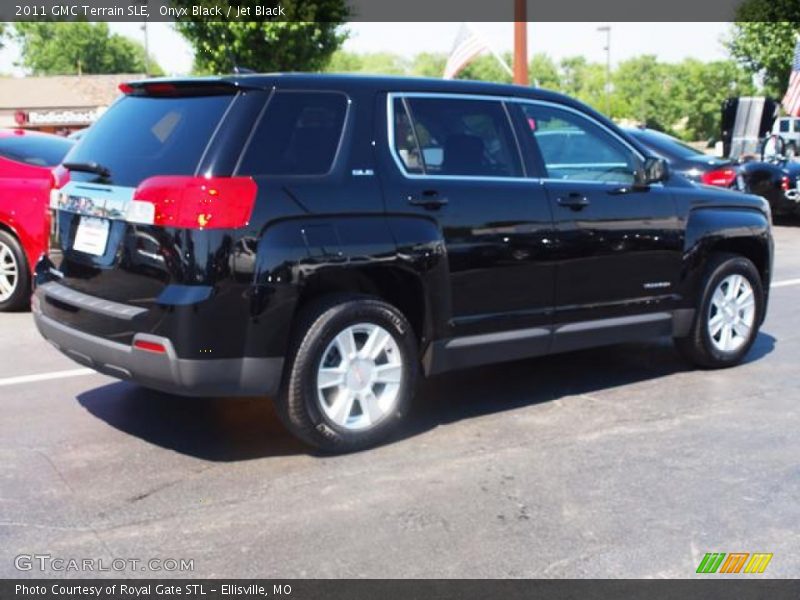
(467, 46)
(791, 101)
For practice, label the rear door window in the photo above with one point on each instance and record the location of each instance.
(141, 137)
(456, 137)
(36, 150)
(298, 135)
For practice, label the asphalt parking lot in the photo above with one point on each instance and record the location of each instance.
(616, 462)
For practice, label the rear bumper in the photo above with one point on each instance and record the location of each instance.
(165, 372)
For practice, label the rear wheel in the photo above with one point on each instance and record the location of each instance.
(352, 375)
(15, 284)
(728, 314)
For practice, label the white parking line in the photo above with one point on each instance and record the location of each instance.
(45, 376)
(786, 283)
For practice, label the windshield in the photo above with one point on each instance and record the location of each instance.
(37, 150)
(141, 137)
(666, 146)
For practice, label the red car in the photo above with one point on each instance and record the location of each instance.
(26, 177)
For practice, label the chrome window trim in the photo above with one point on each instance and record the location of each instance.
(504, 100)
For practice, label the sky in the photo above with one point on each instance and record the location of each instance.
(696, 40)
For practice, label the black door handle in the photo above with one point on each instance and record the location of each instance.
(575, 201)
(429, 199)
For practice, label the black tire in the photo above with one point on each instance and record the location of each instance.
(21, 295)
(299, 405)
(697, 347)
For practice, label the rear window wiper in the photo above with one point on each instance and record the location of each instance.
(89, 167)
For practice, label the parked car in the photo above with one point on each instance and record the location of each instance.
(26, 162)
(788, 128)
(393, 227)
(776, 178)
(684, 159)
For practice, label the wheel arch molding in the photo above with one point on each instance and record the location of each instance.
(735, 231)
(300, 260)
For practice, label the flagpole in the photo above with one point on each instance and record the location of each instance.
(520, 42)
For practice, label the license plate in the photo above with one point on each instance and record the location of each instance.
(92, 236)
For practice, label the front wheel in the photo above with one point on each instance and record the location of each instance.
(728, 314)
(352, 375)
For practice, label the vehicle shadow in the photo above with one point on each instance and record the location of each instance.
(485, 390)
(216, 429)
(237, 429)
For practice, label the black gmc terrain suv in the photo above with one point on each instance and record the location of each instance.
(323, 240)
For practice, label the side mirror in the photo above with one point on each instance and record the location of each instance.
(654, 170)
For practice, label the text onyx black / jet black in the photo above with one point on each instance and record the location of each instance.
(325, 240)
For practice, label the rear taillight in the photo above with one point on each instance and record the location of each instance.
(59, 177)
(194, 202)
(786, 183)
(719, 177)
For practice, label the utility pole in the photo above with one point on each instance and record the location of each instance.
(607, 30)
(520, 42)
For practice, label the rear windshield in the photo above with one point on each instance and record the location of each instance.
(40, 151)
(141, 137)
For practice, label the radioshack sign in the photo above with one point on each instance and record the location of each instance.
(57, 117)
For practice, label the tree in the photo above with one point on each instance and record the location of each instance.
(384, 63)
(487, 68)
(543, 72)
(60, 48)
(644, 90)
(303, 40)
(763, 39)
(2, 33)
(585, 81)
(428, 64)
(699, 90)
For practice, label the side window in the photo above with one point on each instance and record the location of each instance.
(456, 137)
(784, 125)
(574, 148)
(299, 134)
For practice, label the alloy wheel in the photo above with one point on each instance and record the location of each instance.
(359, 377)
(9, 272)
(732, 313)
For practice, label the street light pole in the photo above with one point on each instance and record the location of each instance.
(607, 30)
